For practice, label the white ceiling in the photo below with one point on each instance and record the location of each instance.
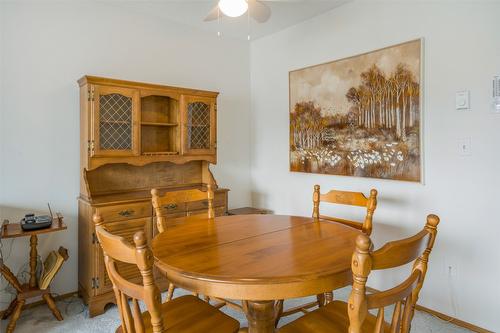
(285, 13)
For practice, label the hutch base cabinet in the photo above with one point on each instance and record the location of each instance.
(135, 137)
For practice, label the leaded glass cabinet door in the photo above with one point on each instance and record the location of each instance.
(199, 125)
(115, 121)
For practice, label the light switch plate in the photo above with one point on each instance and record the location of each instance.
(464, 147)
(462, 100)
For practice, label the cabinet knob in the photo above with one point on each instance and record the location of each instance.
(127, 212)
(170, 206)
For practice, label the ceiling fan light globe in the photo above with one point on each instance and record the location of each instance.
(233, 8)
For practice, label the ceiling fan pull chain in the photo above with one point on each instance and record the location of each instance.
(248, 21)
(218, 22)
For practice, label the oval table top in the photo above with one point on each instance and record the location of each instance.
(256, 257)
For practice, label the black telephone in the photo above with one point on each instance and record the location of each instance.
(32, 222)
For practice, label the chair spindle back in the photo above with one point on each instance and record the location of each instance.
(350, 199)
(404, 295)
(171, 200)
(115, 249)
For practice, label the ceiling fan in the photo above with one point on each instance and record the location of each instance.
(257, 9)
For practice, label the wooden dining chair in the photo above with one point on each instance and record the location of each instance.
(340, 198)
(350, 199)
(171, 201)
(185, 314)
(354, 316)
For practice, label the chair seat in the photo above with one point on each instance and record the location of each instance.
(332, 318)
(189, 314)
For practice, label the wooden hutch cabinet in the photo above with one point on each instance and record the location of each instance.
(135, 137)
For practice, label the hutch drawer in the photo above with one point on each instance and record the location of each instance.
(173, 209)
(125, 211)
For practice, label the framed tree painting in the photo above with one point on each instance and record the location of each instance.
(359, 116)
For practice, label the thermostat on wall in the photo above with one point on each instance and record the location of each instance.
(496, 94)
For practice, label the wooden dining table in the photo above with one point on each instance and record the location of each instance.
(258, 259)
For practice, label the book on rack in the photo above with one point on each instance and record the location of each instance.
(51, 266)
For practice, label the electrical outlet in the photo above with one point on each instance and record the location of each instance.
(464, 147)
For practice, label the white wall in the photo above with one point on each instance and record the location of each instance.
(47, 47)
(462, 51)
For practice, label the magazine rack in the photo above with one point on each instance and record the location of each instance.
(30, 289)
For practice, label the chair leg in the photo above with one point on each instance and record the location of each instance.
(321, 300)
(279, 311)
(328, 297)
(170, 292)
(324, 299)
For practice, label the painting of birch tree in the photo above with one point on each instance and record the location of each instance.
(359, 116)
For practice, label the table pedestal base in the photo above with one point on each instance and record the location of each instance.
(261, 316)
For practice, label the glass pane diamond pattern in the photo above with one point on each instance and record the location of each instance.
(198, 125)
(115, 122)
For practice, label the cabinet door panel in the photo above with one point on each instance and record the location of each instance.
(115, 121)
(125, 229)
(198, 125)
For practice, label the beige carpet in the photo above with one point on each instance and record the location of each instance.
(76, 320)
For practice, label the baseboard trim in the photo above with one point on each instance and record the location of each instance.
(452, 320)
(40, 302)
(445, 317)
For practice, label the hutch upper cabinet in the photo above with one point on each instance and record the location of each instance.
(135, 137)
(140, 123)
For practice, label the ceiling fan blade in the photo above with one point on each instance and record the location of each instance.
(213, 14)
(259, 11)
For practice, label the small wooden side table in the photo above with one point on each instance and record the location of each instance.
(248, 211)
(28, 290)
